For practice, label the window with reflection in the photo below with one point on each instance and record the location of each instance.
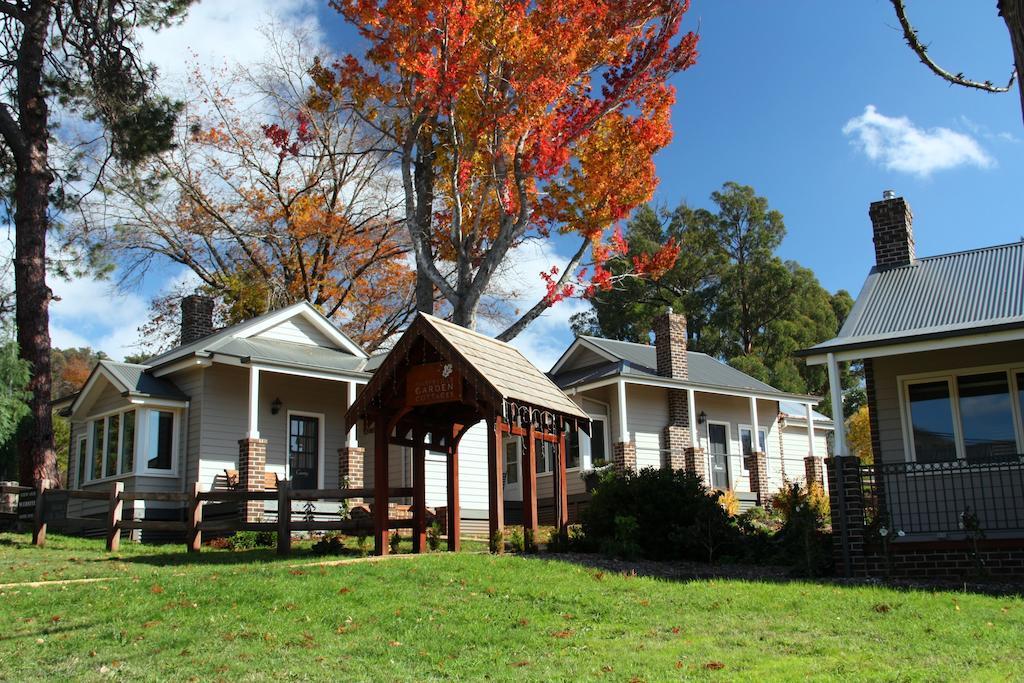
(161, 440)
(931, 420)
(986, 417)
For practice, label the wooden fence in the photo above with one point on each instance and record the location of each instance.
(193, 525)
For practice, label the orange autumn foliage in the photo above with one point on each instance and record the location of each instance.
(512, 119)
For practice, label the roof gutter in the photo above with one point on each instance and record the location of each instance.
(668, 383)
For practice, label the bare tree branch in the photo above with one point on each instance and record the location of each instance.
(921, 50)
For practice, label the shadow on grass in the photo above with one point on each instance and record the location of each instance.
(688, 571)
(231, 557)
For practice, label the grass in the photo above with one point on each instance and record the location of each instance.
(251, 616)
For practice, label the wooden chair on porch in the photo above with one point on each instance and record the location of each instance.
(270, 480)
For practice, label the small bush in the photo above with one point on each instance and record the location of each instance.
(434, 536)
(803, 541)
(250, 540)
(394, 541)
(558, 541)
(497, 542)
(330, 544)
(658, 514)
(363, 545)
(730, 503)
(516, 541)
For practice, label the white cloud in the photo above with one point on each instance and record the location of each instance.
(225, 32)
(899, 145)
(549, 335)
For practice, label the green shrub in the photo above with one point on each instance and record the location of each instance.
(497, 542)
(658, 514)
(249, 540)
(558, 541)
(330, 544)
(363, 545)
(394, 541)
(803, 541)
(434, 536)
(516, 541)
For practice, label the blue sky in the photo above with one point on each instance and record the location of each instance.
(819, 106)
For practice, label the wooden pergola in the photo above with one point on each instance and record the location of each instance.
(437, 382)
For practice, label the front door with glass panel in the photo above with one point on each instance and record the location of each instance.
(513, 475)
(303, 450)
(718, 441)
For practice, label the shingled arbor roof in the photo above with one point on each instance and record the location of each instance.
(439, 380)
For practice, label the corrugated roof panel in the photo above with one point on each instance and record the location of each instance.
(966, 289)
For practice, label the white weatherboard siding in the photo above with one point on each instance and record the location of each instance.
(794, 450)
(297, 330)
(646, 417)
(736, 411)
(473, 469)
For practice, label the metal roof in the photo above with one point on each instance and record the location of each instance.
(134, 381)
(505, 368)
(279, 352)
(942, 295)
(796, 411)
(642, 360)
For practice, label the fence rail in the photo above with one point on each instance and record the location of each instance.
(45, 502)
(945, 497)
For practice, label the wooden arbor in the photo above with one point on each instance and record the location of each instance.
(437, 382)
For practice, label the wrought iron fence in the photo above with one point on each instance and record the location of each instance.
(945, 497)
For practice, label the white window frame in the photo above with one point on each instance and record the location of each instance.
(82, 442)
(142, 438)
(320, 432)
(743, 456)
(586, 454)
(904, 382)
(104, 418)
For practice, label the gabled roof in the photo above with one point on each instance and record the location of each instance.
(131, 380)
(498, 366)
(629, 359)
(937, 296)
(237, 340)
(796, 411)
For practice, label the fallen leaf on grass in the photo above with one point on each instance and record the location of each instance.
(156, 589)
(151, 624)
(395, 643)
(296, 572)
(521, 664)
(714, 666)
(675, 629)
(645, 603)
(55, 618)
(679, 664)
(562, 634)
(344, 591)
(882, 608)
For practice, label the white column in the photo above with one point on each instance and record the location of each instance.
(810, 429)
(350, 398)
(692, 417)
(623, 427)
(755, 441)
(254, 403)
(837, 405)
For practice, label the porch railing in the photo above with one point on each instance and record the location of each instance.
(945, 497)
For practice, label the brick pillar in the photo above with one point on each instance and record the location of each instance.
(757, 465)
(350, 470)
(677, 434)
(846, 497)
(624, 456)
(814, 470)
(252, 467)
(696, 463)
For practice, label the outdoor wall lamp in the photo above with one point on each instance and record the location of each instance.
(275, 406)
(702, 418)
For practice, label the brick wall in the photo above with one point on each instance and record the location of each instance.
(196, 317)
(892, 224)
(845, 491)
(624, 456)
(757, 465)
(670, 345)
(870, 389)
(946, 560)
(696, 462)
(677, 434)
(350, 470)
(814, 470)
(252, 467)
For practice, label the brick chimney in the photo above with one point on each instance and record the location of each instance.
(196, 317)
(670, 343)
(893, 226)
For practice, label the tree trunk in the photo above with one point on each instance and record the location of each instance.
(1012, 12)
(38, 460)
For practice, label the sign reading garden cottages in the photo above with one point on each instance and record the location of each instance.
(432, 383)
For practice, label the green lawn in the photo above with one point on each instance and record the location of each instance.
(250, 616)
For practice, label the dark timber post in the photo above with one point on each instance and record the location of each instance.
(562, 499)
(114, 517)
(419, 491)
(195, 520)
(495, 497)
(284, 517)
(454, 514)
(39, 517)
(380, 485)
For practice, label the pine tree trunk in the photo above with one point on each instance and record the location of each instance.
(38, 460)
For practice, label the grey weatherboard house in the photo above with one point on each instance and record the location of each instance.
(942, 342)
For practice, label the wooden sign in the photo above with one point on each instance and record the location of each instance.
(432, 383)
